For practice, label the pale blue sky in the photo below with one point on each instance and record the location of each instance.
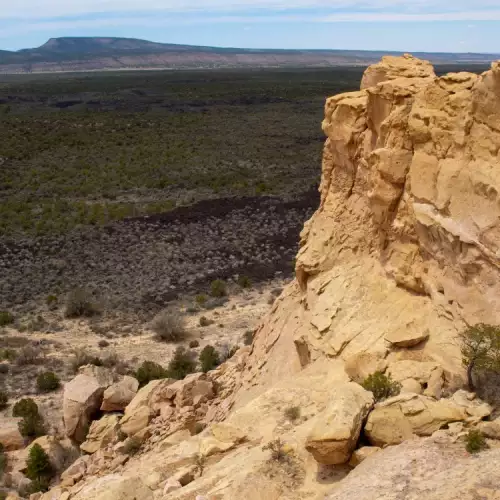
(419, 25)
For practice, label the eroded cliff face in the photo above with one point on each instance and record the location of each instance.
(405, 246)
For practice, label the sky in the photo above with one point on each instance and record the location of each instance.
(417, 25)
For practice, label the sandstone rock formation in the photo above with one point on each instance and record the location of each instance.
(405, 245)
(101, 433)
(117, 396)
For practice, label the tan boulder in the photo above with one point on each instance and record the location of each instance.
(118, 395)
(411, 385)
(362, 454)
(221, 438)
(82, 399)
(115, 487)
(490, 429)
(406, 337)
(473, 406)
(417, 370)
(135, 422)
(403, 416)
(102, 432)
(77, 468)
(360, 366)
(337, 428)
(104, 376)
(10, 436)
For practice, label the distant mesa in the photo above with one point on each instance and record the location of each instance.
(111, 53)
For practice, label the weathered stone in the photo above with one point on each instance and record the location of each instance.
(490, 429)
(102, 432)
(401, 417)
(117, 396)
(336, 431)
(135, 422)
(82, 399)
(406, 338)
(104, 376)
(473, 406)
(171, 485)
(362, 454)
(360, 366)
(411, 385)
(10, 436)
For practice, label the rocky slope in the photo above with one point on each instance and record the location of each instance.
(401, 254)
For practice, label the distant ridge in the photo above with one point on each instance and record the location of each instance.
(103, 53)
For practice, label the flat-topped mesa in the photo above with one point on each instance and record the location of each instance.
(406, 241)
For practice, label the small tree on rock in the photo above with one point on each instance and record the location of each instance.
(480, 348)
(38, 467)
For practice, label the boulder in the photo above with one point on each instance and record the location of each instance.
(104, 376)
(337, 428)
(362, 454)
(101, 433)
(359, 366)
(171, 485)
(82, 399)
(10, 436)
(490, 429)
(406, 337)
(221, 438)
(135, 422)
(77, 468)
(403, 416)
(115, 487)
(411, 385)
(118, 395)
(407, 368)
(473, 406)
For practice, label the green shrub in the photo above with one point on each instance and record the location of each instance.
(218, 288)
(292, 413)
(25, 407)
(209, 358)
(6, 318)
(4, 399)
(7, 354)
(244, 282)
(4, 368)
(51, 301)
(47, 382)
(181, 364)
(277, 449)
(201, 299)
(3, 495)
(79, 303)
(32, 426)
(248, 337)
(149, 370)
(480, 348)
(38, 468)
(475, 441)
(204, 321)
(381, 385)
(193, 344)
(169, 326)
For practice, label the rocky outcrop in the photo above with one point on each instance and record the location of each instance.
(404, 248)
(102, 432)
(117, 396)
(10, 437)
(422, 469)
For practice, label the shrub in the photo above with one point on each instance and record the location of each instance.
(7, 354)
(6, 318)
(47, 382)
(218, 288)
(131, 445)
(193, 344)
(79, 303)
(25, 407)
(31, 426)
(149, 370)
(381, 385)
(277, 449)
(475, 441)
(4, 368)
(29, 355)
(51, 301)
(248, 337)
(292, 413)
(81, 357)
(209, 358)
(38, 468)
(3, 460)
(181, 364)
(201, 299)
(244, 282)
(480, 348)
(103, 343)
(204, 321)
(4, 400)
(169, 326)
